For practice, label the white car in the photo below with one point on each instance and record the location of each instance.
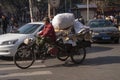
(10, 42)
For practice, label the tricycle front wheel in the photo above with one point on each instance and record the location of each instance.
(24, 57)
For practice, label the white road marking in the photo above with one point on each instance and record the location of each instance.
(15, 68)
(22, 74)
(26, 74)
(12, 62)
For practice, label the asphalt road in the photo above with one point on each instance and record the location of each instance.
(102, 63)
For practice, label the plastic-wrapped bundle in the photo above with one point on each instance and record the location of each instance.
(78, 26)
(63, 21)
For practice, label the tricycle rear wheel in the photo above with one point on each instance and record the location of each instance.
(79, 55)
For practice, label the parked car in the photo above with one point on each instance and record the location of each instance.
(104, 31)
(10, 42)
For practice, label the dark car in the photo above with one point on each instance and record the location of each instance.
(104, 31)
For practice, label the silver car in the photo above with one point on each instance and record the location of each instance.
(10, 42)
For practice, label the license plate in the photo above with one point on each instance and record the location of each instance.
(105, 38)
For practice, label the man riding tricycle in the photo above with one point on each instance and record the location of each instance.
(58, 39)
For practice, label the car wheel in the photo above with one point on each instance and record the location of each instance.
(116, 41)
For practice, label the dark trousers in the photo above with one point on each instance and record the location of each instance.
(40, 41)
(4, 30)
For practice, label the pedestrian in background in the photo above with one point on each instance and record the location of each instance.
(51, 17)
(109, 19)
(12, 23)
(15, 28)
(99, 16)
(117, 17)
(4, 24)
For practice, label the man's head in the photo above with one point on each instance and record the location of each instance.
(46, 20)
(3, 16)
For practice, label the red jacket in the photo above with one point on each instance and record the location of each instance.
(48, 31)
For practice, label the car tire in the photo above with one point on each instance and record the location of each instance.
(116, 41)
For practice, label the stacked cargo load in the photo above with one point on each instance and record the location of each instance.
(70, 29)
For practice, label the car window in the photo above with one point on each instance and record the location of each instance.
(101, 23)
(28, 28)
(93, 24)
(108, 23)
(41, 28)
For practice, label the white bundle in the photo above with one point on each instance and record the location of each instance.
(63, 20)
(78, 26)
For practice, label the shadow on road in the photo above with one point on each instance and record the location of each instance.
(95, 49)
(88, 61)
(102, 60)
(64, 64)
(91, 62)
